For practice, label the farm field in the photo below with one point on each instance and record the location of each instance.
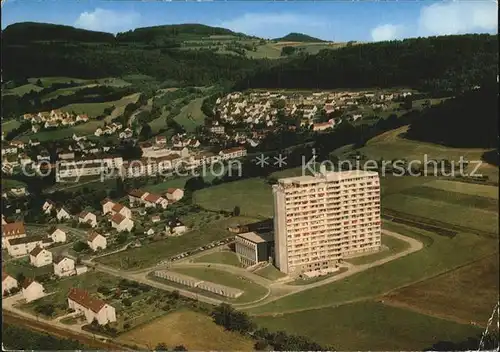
(465, 188)
(222, 257)
(362, 324)
(21, 90)
(393, 246)
(468, 211)
(149, 254)
(440, 254)
(195, 331)
(253, 196)
(468, 293)
(391, 145)
(191, 115)
(253, 291)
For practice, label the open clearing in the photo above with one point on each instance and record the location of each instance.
(465, 188)
(191, 115)
(270, 272)
(439, 255)
(150, 254)
(253, 196)
(362, 325)
(468, 293)
(195, 331)
(253, 291)
(21, 90)
(9, 125)
(393, 245)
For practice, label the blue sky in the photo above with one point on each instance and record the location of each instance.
(329, 20)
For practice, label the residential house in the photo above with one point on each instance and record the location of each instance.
(64, 266)
(155, 219)
(174, 194)
(321, 126)
(233, 153)
(24, 245)
(96, 241)
(86, 217)
(32, 290)
(11, 231)
(147, 199)
(3, 220)
(40, 257)
(121, 223)
(175, 227)
(161, 140)
(93, 308)
(149, 232)
(57, 235)
(122, 210)
(63, 214)
(126, 133)
(8, 283)
(107, 205)
(217, 129)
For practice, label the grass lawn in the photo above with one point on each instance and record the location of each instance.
(162, 187)
(440, 254)
(48, 81)
(195, 331)
(469, 292)
(253, 291)
(393, 244)
(270, 272)
(253, 196)
(17, 266)
(363, 325)
(191, 115)
(91, 109)
(149, 254)
(9, 125)
(222, 257)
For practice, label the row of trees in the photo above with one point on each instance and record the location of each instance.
(233, 320)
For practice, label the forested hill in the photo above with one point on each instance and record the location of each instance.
(298, 37)
(26, 32)
(437, 63)
(467, 121)
(150, 34)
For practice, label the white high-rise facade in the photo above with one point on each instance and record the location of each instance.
(321, 219)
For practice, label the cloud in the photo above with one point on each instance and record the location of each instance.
(386, 32)
(271, 25)
(458, 17)
(108, 20)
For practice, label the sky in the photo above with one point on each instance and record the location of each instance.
(329, 20)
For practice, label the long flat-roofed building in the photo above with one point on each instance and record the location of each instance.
(253, 247)
(321, 219)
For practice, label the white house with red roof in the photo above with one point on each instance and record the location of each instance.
(147, 199)
(63, 214)
(121, 223)
(12, 230)
(233, 153)
(174, 194)
(48, 206)
(93, 308)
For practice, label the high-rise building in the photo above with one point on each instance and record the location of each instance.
(321, 219)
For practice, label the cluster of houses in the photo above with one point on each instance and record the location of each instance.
(259, 110)
(79, 300)
(53, 119)
(112, 128)
(17, 243)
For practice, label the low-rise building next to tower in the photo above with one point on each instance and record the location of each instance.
(321, 219)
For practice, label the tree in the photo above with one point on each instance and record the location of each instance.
(80, 246)
(127, 302)
(20, 278)
(232, 320)
(180, 348)
(261, 345)
(288, 50)
(236, 211)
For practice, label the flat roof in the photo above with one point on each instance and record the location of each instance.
(327, 176)
(257, 238)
